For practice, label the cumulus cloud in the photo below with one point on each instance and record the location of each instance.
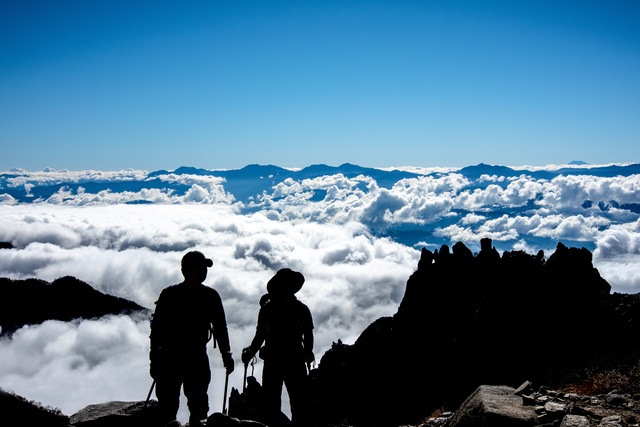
(472, 218)
(617, 258)
(569, 193)
(616, 241)
(20, 177)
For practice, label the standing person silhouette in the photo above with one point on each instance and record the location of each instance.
(285, 326)
(184, 318)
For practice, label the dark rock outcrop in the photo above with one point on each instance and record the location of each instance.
(33, 301)
(470, 320)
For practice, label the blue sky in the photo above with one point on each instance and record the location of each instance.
(110, 85)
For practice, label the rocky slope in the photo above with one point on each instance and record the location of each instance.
(506, 406)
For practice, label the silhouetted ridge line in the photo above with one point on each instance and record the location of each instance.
(18, 411)
(33, 301)
(469, 320)
(475, 172)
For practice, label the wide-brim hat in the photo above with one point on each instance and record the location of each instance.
(286, 281)
(195, 259)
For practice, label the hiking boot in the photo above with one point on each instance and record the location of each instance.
(174, 423)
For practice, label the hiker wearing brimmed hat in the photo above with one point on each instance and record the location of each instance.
(285, 326)
(183, 320)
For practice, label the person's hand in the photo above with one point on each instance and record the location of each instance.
(228, 362)
(246, 355)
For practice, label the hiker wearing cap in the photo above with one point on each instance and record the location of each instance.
(183, 320)
(285, 326)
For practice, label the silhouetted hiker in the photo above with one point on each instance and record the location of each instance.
(285, 326)
(186, 314)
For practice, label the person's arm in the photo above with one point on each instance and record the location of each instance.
(157, 338)
(249, 352)
(221, 333)
(307, 335)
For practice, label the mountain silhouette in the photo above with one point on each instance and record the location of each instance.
(33, 301)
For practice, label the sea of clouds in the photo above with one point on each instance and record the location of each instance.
(336, 230)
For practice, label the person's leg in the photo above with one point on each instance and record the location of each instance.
(272, 381)
(196, 386)
(295, 381)
(168, 395)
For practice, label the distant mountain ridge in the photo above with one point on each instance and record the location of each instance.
(33, 301)
(250, 181)
(475, 172)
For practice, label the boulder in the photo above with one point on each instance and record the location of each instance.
(575, 421)
(494, 406)
(121, 414)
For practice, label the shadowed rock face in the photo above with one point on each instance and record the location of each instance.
(469, 320)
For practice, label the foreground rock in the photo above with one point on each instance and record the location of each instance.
(121, 414)
(496, 406)
(140, 414)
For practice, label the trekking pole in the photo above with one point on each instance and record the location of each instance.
(149, 395)
(224, 402)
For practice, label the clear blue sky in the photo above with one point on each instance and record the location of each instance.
(221, 84)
